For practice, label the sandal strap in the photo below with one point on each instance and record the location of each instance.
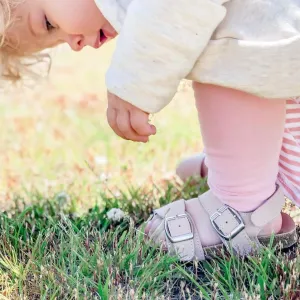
(269, 210)
(234, 228)
(237, 231)
(229, 225)
(181, 233)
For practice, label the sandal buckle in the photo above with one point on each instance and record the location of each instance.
(240, 226)
(179, 238)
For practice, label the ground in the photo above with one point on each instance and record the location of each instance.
(63, 169)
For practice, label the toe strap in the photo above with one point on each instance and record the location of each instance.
(180, 230)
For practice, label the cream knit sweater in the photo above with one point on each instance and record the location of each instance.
(249, 45)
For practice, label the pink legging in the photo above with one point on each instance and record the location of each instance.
(242, 135)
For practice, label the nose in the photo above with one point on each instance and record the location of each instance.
(77, 41)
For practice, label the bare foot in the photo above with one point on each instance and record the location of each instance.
(192, 166)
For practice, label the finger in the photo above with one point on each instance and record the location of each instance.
(140, 123)
(111, 115)
(123, 124)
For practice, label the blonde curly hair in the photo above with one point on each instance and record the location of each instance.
(15, 64)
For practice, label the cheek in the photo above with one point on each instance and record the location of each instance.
(85, 26)
(83, 18)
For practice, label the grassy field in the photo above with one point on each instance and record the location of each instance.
(63, 169)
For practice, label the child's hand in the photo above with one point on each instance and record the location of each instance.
(128, 121)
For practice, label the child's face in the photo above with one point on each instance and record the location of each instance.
(43, 24)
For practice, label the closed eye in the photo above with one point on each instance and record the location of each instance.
(49, 26)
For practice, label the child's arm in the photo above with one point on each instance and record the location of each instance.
(158, 46)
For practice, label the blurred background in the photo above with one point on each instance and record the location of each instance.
(54, 138)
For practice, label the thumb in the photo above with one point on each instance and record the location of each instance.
(140, 123)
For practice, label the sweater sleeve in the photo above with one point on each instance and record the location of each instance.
(158, 46)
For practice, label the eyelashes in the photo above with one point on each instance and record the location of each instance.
(49, 26)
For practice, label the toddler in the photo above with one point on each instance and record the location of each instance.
(243, 57)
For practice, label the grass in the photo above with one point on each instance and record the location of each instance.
(49, 252)
(63, 170)
(56, 138)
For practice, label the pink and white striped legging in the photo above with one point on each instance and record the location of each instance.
(289, 160)
(251, 144)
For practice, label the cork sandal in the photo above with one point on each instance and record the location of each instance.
(180, 229)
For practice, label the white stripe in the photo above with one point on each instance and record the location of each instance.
(290, 156)
(291, 115)
(290, 137)
(292, 175)
(286, 185)
(293, 106)
(293, 134)
(292, 148)
(290, 166)
(295, 177)
(292, 125)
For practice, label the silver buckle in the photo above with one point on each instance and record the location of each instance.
(237, 217)
(179, 238)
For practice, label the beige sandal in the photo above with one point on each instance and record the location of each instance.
(237, 231)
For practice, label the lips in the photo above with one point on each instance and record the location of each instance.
(109, 34)
(103, 37)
